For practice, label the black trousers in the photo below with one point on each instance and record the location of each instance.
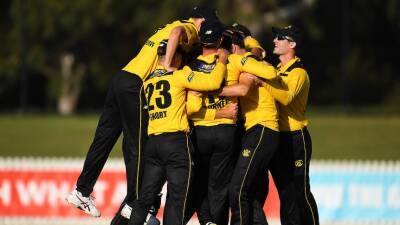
(215, 148)
(261, 185)
(167, 156)
(122, 112)
(290, 170)
(258, 147)
(261, 189)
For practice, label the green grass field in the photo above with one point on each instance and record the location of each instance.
(334, 137)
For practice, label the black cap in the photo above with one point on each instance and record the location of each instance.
(243, 30)
(204, 12)
(211, 32)
(289, 31)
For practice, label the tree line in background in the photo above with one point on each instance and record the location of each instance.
(61, 55)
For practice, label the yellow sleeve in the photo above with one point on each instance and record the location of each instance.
(193, 103)
(285, 91)
(251, 42)
(257, 68)
(188, 79)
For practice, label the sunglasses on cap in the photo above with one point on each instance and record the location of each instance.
(281, 37)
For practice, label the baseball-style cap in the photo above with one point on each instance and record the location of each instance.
(292, 32)
(204, 12)
(243, 30)
(211, 32)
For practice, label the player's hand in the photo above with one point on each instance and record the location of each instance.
(229, 112)
(255, 80)
(195, 93)
(223, 55)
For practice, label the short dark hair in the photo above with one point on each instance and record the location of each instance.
(237, 39)
(242, 29)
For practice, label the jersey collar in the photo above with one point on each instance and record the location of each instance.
(208, 58)
(291, 62)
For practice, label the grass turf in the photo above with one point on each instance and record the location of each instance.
(334, 137)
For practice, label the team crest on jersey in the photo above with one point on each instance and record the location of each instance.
(190, 77)
(298, 163)
(246, 153)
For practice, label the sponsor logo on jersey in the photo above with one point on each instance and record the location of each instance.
(221, 103)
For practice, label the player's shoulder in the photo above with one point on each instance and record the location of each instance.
(203, 64)
(248, 56)
(182, 73)
(158, 74)
(297, 72)
(296, 66)
(235, 58)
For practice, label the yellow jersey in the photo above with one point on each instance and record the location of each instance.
(291, 90)
(166, 96)
(209, 103)
(146, 60)
(258, 106)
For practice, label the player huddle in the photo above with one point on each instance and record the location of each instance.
(217, 119)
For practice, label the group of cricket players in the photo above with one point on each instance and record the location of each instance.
(201, 110)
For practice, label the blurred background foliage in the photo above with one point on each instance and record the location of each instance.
(59, 56)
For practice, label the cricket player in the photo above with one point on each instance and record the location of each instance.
(169, 150)
(252, 45)
(214, 136)
(290, 166)
(261, 123)
(122, 112)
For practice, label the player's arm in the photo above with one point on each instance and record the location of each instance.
(193, 102)
(257, 52)
(258, 68)
(188, 79)
(285, 91)
(254, 46)
(175, 37)
(228, 112)
(246, 81)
